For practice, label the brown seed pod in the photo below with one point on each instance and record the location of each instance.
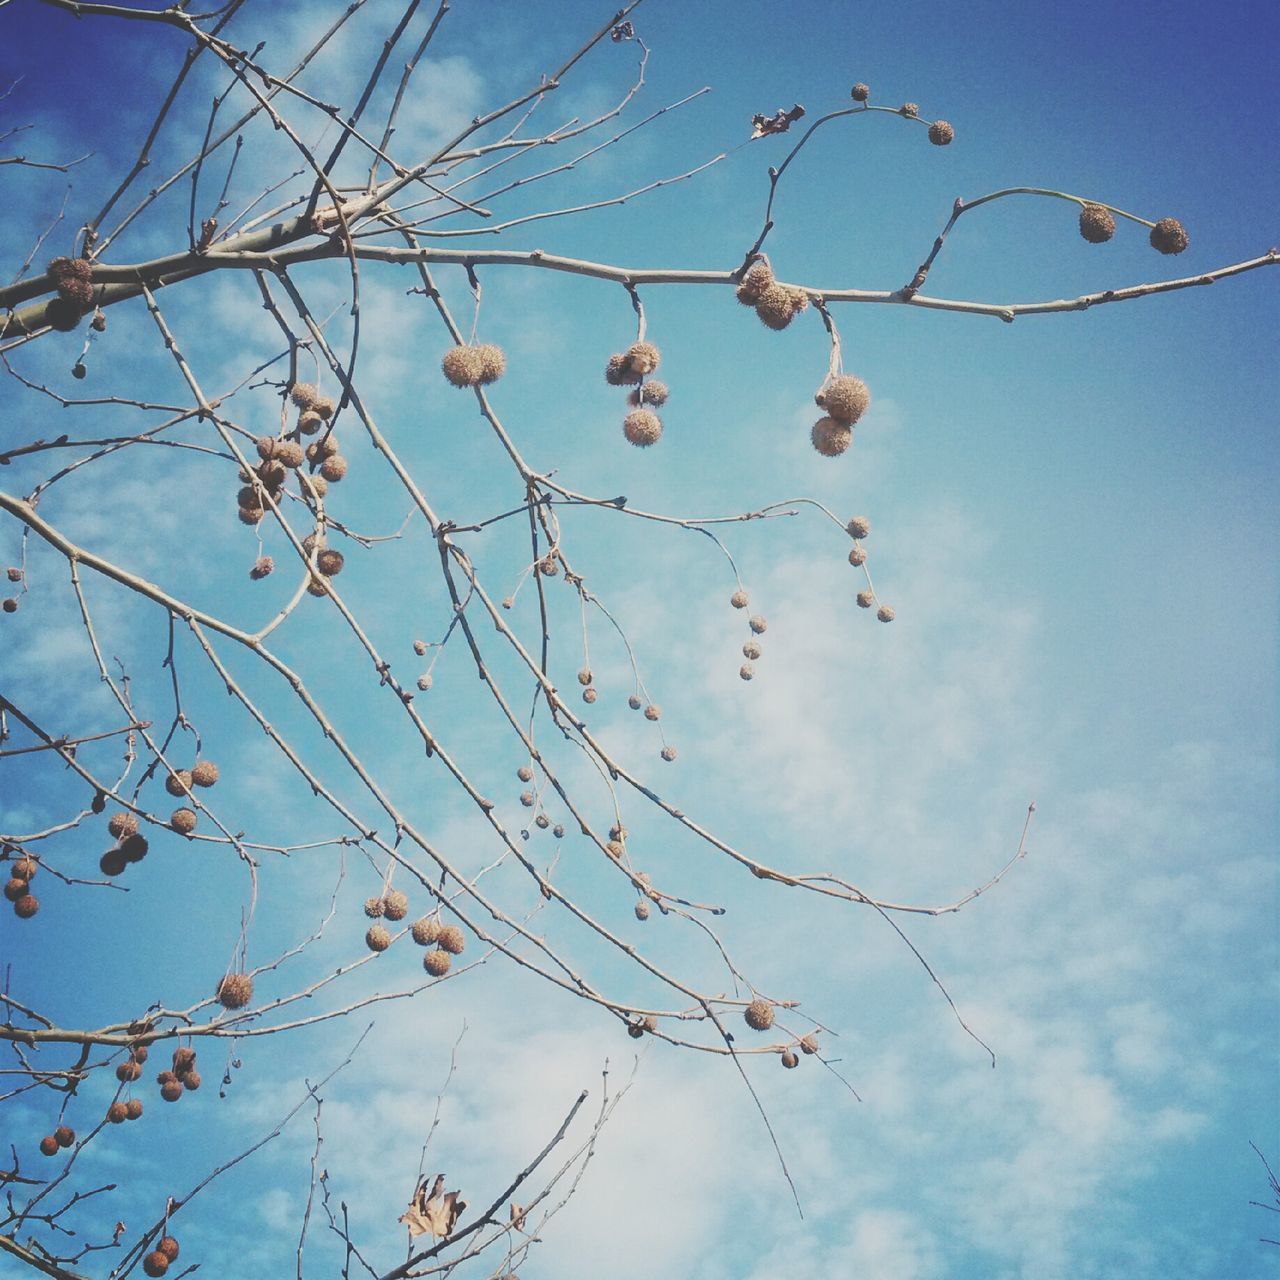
(165, 1077)
(289, 454)
(24, 869)
(235, 991)
(547, 566)
(589, 695)
(831, 438)
(129, 1071)
(618, 833)
(758, 625)
(64, 269)
(542, 822)
(122, 824)
(62, 314)
(374, 907)
(377, 938)
(169, 1247)
(183, 821)
(319, 450)
(558, 831)
(133, 1109)
(155, 1263)
(642, 910)
(304, 395)
(649, 393)
(860, 92)
(528, 799)
(524, 773)
(178, 784)
(64, 1135)
(1169, 236)
(759, 1015)
(263, 567)
(330, 562)
(113, 862)
(777, 305)
(844, 398)
(395, 905)
(746, 671)
(635, 1030)
(642, 428)
(941, 134)
(858, 527)
(310, 422)
(250, 515)
(757, 278)
(26, 906)
(615, 849)
(885, 613)
(266, 447)
(333, 469)
(117, 1113)
(634, 702)
(139, 1052)
(643, 357)
(13, 574)
(49, 1146)
(809, 1043)
(452, 939)
(491, 361)
(865, 599)
(171, 1090)
(77, 292)
(668, 753)
(584, 678)
(790, 1060)
(461, 366)
(184, 1060)
(325, 407)
(436, 963)
(1097, 225)
(751, 651)
(425, 932)
(653, 712)
(16, 888)
(191, 1080)
(618, 371)
(857, 556)
(909, 109)
(424, 682)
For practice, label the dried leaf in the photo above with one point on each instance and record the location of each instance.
(623, 31)
(517, 1216)
(436, 1212)
(779, 122)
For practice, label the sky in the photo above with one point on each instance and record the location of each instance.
(1071, 516)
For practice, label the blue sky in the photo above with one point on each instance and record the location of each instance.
(1072, 515)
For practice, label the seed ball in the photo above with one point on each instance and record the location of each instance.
(789, 1059)
(171, 1090)
(589, 695)
(49, 1146)
(751, 650)
(909, 109)
(99, 322)
(524, 773)
(746, 671)
(204, 773)
(668, 754)
(184, 1060)
(436, 963)
(809, 1043)
(235, 991)
(64, 1135)
(1097, 225)
(776, 306)
(858, 527)
(271, 473)
(758, 625)
(78, 292)
(461, 366)
(941, 134)
(325, 407)
(15, 888)
(642, 428)
(183, 821)
(860, 92)
(122, 824)
(642, 910)
(542, 822)
(169, 1247)
(1169, 236)
(845, 399)
(165, 1077)
(452, 939)
(98, 803)
(330, 562)
(139, 1052)
(885, 613)
(643, 357)
(262, 568)
(759, 1015)
(377, 939)
(62, 314)
(865, 599)
(635, 1030)
(117, 1113)
(266, 447)
(527, 799)
(63, 270)
(14, 575)
(25, 869)
(618, 833)
(831, 438)
(491, 362)
(178, 784)
(755, 281)
(250, 515)
(547, 566)
(129, 1071)
(425, 932)
(155, 1263)
(374, 907)
(654, 393)
(322, 449)
(618, 373)
(395, 905)
(857, 556)
(304, 394)
(133, 1109)
(739, 600)
(634, 702)
(26, 906)
(584, 678)
(333, 469)
(653, 712)
(310, 422)
(289, 452)
(424, 682)
(113, 862)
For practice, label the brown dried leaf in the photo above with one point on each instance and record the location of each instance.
(623, 31)
(517, 1216)
(779, 122)
(436, 1212)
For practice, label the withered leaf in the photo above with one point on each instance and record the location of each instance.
(436, 1212)
(517, 1216)
(779, 122)
(623, 31)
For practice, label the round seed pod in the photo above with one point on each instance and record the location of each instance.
(9, 605)
(589, 695)
(310, 422)
(1169, 236)
(642, 910)
(759, 1015)
(860, 92)
(789, 1059)
(304, 395)
(618, 833)
(184, 1060)
(547, 566)
(654, 393)
(635, 1030)
(322, 449)
(909, 109)
(15, 888)
(436, 963)
(643, 357)
(204, 773)
(941, 134)
(374, 907)
(129, 1071)
(865, 599)
(668, 753)
(171, 1090)
(289, 454)
(155, 1263)
(653, 712)
(739, 600)
(395, 905)
(584, 678)
(271, 473)
(524, 773)
(262, 568)
(63, 270)
(757, 278)
(758, 625)
(1097, 225)
(885, 613)
(751, 650)
(746, 671)
(426, 932)
(491, 362)
(424, 682)
(235, 991)
(809, 1043)
(250, 515)
(634, 702)
(452, 939)
(122, 824)
(62, 314)
(558, 831)
(165, 1077)
(266, 447)
(420, 647)
(831, 438)
(461, 366)
(113, 862)
(24, 869)
(857, 556)
(330, 562)
(542, 822)
(117, 1113)
(178, 784)
(183, 821)
(377, 938)
(642, 428)
(858, 527)
(527, 799)
(333, 469)
(78, 292)
(618, 371)
(13, 574)
(26, 906)
(49, 1146)
(776, 306)
(845, 399)
(325, 407)
(64, 1135)
(139, 1052)
(133, 1109)
(169, 1247)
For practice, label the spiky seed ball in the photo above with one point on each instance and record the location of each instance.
(617, 832)
(10, 605)
(858, 527)
(250, 515)
(634, 702)
(757, 278)
(395, 905)
(758, 625)
(134, 848)
(547, 566)
(25, 869)
(155, 1263)
(333, 469)
(235, 991)
(117, 1113)
(654, 393)
(759, 1015)
(751, 651)
(746, 671)
(436, 963)
(590, 694)
(789, 1059)
(184, 1060)
(668, 754)
(262, 568)
(491, 362)
(49, 1146)
(374, 907)
(13, 574)
(739, 600)
(289, 453)
(377, 939)
(643, 357)
(461, 366)
(909, 109)
(642, 910)
(618, 371)
(524, 773)
(165, 1077)
(122, 824)
(178, 784)
(325, 407)
(139, 1052)
(425, 932)
(113, 862)
(776, 306)
(64, 1135)
(558, 831)
(845, 399)
(62, 269)
(271, 473)
(584, 678)
(860, 92)
(885, 613)
(1169, 236)
(542, 822)
(133, 1109)
(26, 906)
(62, 314)
(129, 1071)
(1097, 225)
(310, 422)
(304, 394)
(809, 1043)
(266, 447)
(653, 712)
(330, 562)
(79, 293)
(527, 799)
(204, 773)
(169, 1247)
(183, 821)
(452, 939)
(424, 682)
(831, 438)
(15, 889)
(642, 428)
(865, 599)
(319, 450)
(857, 556)
(941, 134)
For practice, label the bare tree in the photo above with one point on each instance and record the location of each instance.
(362, 203)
